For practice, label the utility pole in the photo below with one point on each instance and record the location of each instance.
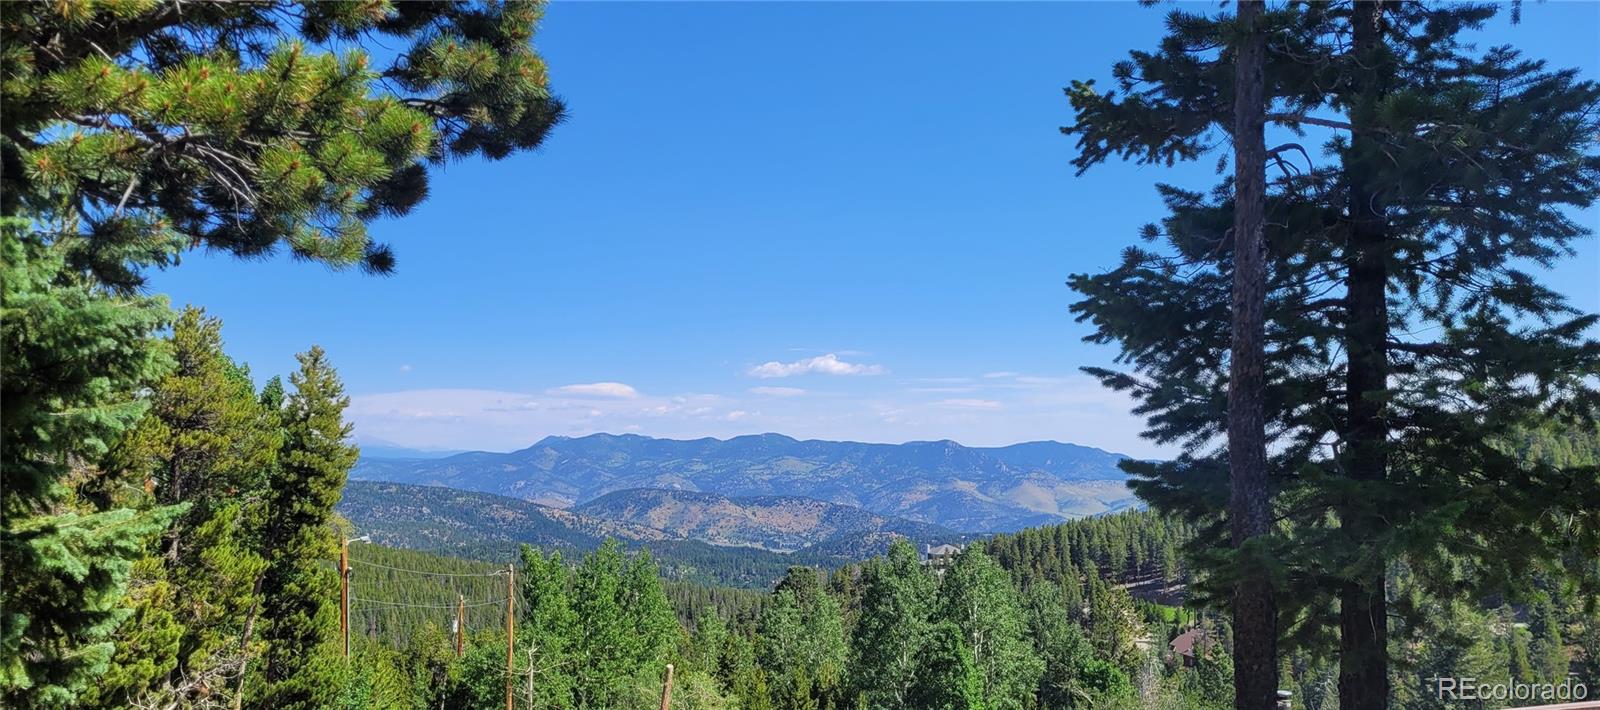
(461, 609)
(344, 597)
(344, 591)
(666, 690)
(511, 630)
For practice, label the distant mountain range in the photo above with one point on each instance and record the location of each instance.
(777, 523)
(965, 489)
(701, 537)
(378, 448)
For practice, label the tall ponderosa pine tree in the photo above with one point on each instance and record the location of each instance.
(299, 588)
(74, 358)
(1255, 612)
(207, 443)
(1407, 340)
(146, 128)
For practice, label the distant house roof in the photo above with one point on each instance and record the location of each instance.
(1187, 642)
(943, 550)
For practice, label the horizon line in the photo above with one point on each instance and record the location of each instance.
(389, 444)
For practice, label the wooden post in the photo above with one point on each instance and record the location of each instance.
(461, 612)
(666, 690)
(344, 597)
(511, 630)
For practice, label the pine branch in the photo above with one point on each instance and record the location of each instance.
(1296, 118)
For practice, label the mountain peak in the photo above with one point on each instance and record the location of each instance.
(943, 482)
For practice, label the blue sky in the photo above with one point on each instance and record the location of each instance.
(829, 220)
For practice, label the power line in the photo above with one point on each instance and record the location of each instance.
(412, 605)
(363, 563)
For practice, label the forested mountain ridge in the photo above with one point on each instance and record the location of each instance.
(490, 527)
(447, 519)
(778, 523)
(967, 489)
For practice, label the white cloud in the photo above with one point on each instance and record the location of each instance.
(405, 368)
(777, 391)
(829, 364)
(1072, 408)
(613, 390)
(998, 375)
(969, 403)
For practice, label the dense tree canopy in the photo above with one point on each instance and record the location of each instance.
(73, 364)
(132, 132)
(1409, 340)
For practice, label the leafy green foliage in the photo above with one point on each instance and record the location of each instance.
(801, 641)
(897, 596)
(977, 596)
(948, 678)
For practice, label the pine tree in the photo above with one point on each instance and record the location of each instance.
(74, 358)
(1249, 498)
(801, 640)
(142, 129)
(1455, 641)
(1451, 170)
(148, 644)
(299, 588)
(1210, 684)
(706, 645)
(206, 443)
(1061, 647)
(1546, 651)
(1587, 667)
(1114, 625)
(976, 595)
(208, 440)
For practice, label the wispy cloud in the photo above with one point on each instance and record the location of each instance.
(998, 375)
(614, 390)
(969, 403)
(1072, 408)
(777, 391)
(829, 364)
(405, 368)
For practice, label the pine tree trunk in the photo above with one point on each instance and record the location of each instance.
(244, 642)
(1363, 607)
(1255, 633)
